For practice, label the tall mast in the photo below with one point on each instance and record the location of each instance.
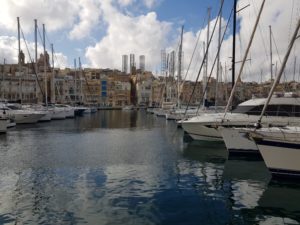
(233, 43)
(19, 59)
(206, 60)
(218, 61)
(179, 69)
(35, 48)
(245, 56)
(45, 67)
(52, 77)
(2, 82)
(80, 76)
(295, 62)
(278, 76)
(271, 59)
(75, 77)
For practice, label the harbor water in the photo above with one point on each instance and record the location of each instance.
(130, 167)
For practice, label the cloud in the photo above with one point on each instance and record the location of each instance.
(282, 19)
(56, 14)
(79, 17)
(9, 52)
(141, 35)
(89, 17)
(125, 2)
(148, 3)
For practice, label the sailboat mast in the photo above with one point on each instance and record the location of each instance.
(277, 79)
(75, 77)
(52, 77)
(294, 74)
(218, 60)
(19, 59)
(179, 69)
(245, 57)
(233, 42)
(80, 78)
(45, 67)
(35, 50)
(206, 60)
(271, 58)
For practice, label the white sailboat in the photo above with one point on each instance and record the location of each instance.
(204, 127)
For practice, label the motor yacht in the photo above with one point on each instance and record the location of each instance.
(281, 111)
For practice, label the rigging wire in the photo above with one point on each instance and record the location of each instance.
(273, 38)
(205, 55)
(211, 71)
(32, 63)
(260, 32)
(192, 57)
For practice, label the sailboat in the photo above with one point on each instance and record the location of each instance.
(204, 127)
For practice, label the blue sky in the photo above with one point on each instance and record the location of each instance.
(191, 14)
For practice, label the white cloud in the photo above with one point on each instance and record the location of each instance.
(77, 16)
(55, 14)
(89, 17)
(9, 52)
(149, 3)
(141, 35)
(125, 2)
(276, 14)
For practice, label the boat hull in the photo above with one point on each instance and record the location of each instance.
(201, 132)
(238, 143)
(281, 158)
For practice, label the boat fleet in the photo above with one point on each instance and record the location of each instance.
(12, 114)
(277, 140)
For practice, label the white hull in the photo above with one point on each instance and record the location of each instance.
(22, 118)
(47, 117)
(201, 132)
(206, 125)
(58, 114)
(237, 141)
(280, 149)
(281, 158)
(70, 112)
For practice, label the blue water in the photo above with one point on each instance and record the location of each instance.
(117, 167)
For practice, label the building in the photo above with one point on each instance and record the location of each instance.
(125, 63)
(132, 66)
(142, 63)
(163, 62)
(172, 64)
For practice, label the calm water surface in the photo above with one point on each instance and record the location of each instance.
(117, 167)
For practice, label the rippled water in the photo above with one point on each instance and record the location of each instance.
(117, 167)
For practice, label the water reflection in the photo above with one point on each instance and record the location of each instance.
(280, 203)
(118, 167)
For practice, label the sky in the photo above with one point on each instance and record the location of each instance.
(101, 31)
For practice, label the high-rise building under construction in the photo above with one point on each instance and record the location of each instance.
(125, 63)
(132, 63)
(142, 63)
